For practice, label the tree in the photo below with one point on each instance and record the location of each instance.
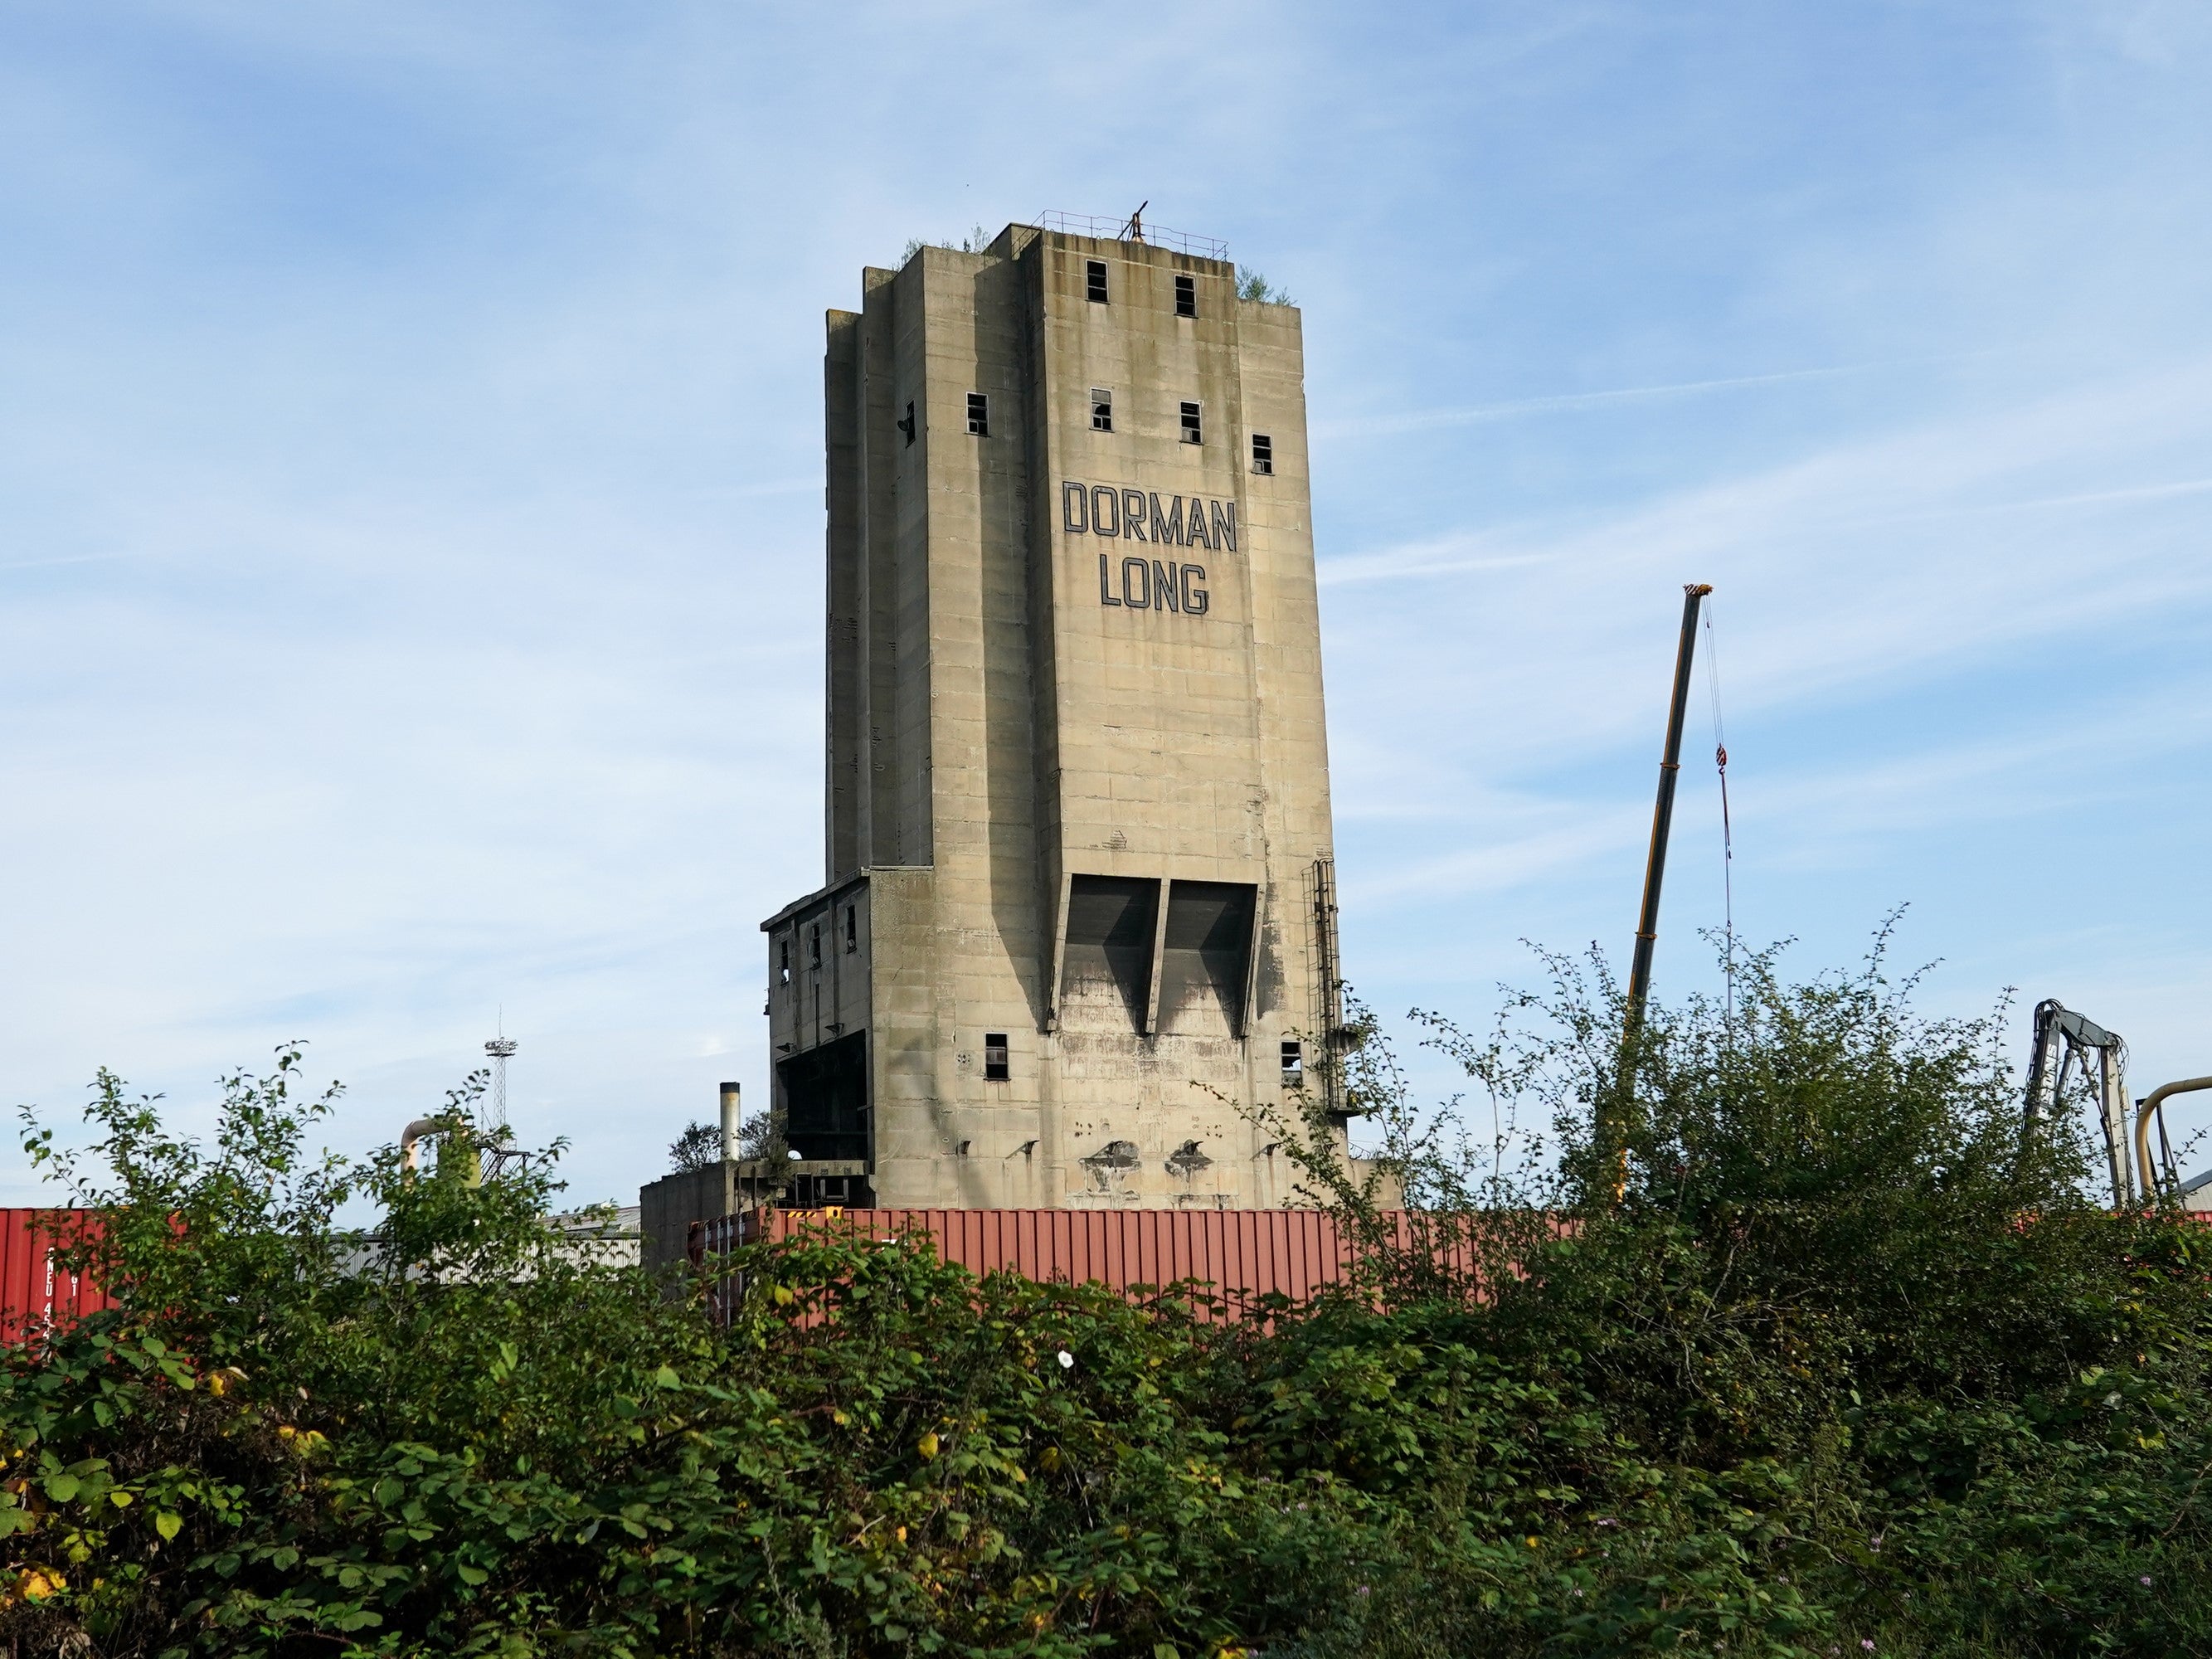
(1251, 285)
(699, 1145)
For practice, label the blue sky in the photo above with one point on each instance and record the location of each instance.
(410, 526)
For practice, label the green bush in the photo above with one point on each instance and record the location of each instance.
(1830, 1358)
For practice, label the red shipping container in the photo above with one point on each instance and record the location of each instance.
(35, 1295)
(1294, 1253)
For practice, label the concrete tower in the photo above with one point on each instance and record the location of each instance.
(1077, 840)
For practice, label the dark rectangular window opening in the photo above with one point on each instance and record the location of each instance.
(1263, 453)
(814, 945)
(1294, 1062)
(1102, 410)
(825, 1099)
(979, 415)
(994, 1057)
(1192, 434)
(1186, 296)
(852, 928)
(1094, 274)
(783, 960)
(907, 425)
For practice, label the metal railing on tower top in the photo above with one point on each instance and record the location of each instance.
(1132, 228)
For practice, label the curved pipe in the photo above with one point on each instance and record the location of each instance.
(410, 1142)
(2152, 1102)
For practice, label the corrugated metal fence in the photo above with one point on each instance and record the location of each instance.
(34, 1294)
(1243, 1253)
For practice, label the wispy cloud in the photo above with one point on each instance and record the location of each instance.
(1873, 563)
(1375, 426)
(1803, 816)
(2101, 497)
(1574, 839)
(781, 487)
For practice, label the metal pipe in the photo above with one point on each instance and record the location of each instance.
(2151, 1102)
(410, 1140)
(2112, 1117)
(1662, 813)
(732, 1116)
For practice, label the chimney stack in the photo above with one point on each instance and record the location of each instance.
(733, 1111)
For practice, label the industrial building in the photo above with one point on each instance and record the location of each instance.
(1076, 904)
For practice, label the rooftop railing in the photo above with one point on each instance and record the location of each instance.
(1134, 229)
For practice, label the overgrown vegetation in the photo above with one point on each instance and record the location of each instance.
(977, 240)
(1251, 285)
(1842, 1367)
(699, 1145)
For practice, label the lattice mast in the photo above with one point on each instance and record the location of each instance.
(501, 1050)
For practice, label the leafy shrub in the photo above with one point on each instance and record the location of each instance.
(1805, 1351)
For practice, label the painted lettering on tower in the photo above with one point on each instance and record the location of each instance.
(1140, 516)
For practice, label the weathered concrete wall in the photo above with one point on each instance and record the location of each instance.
(668, 1207)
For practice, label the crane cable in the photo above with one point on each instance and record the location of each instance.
(1728, 834)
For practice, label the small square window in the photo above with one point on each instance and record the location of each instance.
(1186, 296)
(1294, 1062)
(1102, 410)
(852, 928)
(1094, 275)
(907, 425)
(979, 415)
(994, 1057)
(1263, 453)
(1192, 433)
